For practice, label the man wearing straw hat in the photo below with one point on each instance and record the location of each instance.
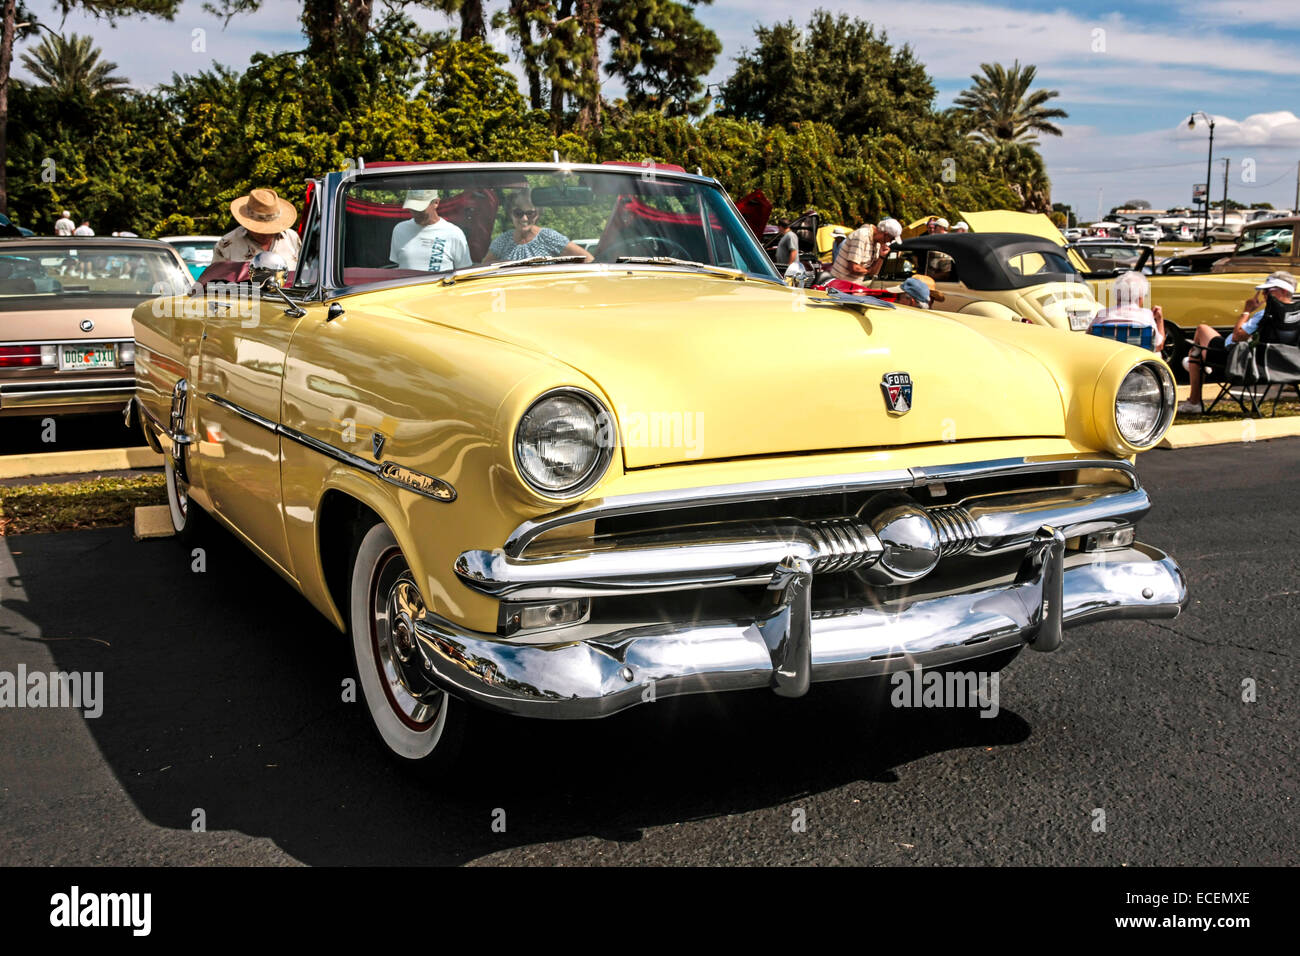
(265, 225)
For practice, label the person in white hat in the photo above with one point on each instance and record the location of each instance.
(64, 225)
(961, 227)
(265, 225)
(864, 251)
(427, 241)
(936, 224)
(1210, 348)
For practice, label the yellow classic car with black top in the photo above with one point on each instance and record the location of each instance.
(559, 485)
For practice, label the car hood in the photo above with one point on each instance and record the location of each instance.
(700, 367)
(1028, 223)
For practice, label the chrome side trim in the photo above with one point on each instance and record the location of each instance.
(387, 471)
(609, 672)
(712, 495)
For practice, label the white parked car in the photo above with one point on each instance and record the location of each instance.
(1149, 232)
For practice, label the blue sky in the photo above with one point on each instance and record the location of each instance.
(1129, 74)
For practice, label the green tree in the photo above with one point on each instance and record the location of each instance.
(71, 66)
(660, 51)
(12, 26)
(835, 68)
(1000, 107)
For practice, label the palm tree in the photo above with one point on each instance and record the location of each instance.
(72, 64)
(1000, 107)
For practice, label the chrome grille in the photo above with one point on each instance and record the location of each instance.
(844, 544)
(957, 531)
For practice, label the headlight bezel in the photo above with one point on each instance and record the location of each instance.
(604, 450)
(1168, 404)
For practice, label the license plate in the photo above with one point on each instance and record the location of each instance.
(72, 357)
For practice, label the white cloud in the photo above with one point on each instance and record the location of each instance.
(1264, 130)
(953, 38)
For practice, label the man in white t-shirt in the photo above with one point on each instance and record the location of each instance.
(427, 241)
(83, 230)
(64, 225)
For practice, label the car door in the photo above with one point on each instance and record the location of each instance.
(238, 411)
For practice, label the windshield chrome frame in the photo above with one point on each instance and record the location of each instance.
(332, 199)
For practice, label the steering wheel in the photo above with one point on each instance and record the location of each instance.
(661, 245)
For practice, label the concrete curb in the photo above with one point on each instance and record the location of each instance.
(1193, 435)
(78, 462)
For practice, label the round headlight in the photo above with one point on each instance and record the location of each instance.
(563, 442)
(1144, 404)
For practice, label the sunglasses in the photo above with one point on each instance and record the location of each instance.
(526, 213)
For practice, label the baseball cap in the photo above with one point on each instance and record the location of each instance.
(961, 227)
(939, 221)
(892, 227)
(1279, 280)
(419, 199)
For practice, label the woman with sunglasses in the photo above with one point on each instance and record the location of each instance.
(528, 238)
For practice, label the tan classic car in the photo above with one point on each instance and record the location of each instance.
(560, 484)
(65, 320)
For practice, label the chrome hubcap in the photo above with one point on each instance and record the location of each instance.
(396, 606)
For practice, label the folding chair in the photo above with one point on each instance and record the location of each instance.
(1140, 335)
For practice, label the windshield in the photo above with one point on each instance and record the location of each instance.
(412, 224)
(88, 270)
(1265, 242)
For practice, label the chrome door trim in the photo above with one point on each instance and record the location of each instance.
(387, 471)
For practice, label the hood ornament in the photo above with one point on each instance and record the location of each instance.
(897, 389)
(377, 444)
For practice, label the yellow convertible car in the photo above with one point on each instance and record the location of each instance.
(523, 478)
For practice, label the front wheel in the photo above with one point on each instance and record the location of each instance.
(187, 517)
(418, 723)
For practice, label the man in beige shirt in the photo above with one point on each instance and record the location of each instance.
(265, 225)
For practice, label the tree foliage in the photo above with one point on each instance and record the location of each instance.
(178, 155)
(999, 106)
(836, 69)
(72, 64)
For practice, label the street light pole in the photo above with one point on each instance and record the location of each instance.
(1209, 163)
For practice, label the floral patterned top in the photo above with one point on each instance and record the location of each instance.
(547, 242)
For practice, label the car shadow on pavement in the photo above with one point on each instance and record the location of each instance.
(223, 692)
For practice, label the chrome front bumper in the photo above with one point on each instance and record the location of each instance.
(791, 645)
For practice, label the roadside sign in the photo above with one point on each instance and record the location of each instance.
(1198, 192)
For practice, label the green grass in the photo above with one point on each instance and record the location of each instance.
(75, 505)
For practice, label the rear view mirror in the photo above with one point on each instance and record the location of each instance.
(561, 196)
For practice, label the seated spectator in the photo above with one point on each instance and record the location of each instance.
(937, 224)
(1132, 291)
(961, 227)
(528, 238)
(426, 240)
(1276, 298)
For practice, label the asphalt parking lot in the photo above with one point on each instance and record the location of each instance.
(222, 704)
(27, 435)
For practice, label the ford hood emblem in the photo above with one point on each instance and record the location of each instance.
(897, 388)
